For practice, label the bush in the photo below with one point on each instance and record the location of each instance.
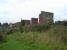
(2, 38)
(61, 23)
(10, 31)
(65, 38)
(39, 28)
(21, 29)
(34, 28)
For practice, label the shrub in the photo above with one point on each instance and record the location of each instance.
(22, 23)
(21, 29)
(39, 28)
(10, 31)
(61, 23)
(65, 38)
(2, 38)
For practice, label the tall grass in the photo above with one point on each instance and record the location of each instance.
(54, 38)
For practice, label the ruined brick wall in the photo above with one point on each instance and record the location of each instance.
(25, 22)
(34, 20)
(45, 18)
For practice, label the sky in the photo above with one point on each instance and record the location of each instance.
(12, 11)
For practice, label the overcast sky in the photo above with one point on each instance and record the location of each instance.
(14, 10)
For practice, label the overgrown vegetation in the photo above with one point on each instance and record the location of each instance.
(39, 28)
(35, 37)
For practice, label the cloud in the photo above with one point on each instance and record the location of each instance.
(14, 10)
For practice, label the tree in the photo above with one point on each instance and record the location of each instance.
(61, 23)
(5, 24)
(0, 24)
(22, 22)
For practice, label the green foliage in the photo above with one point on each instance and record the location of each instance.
(64, 38)
(5, 24)
(21, 29)
(24, 42)
(61, 23)
(34, 40)
(2, 38)
(22, 23)
(39, 28)
(0, 24)
(10, 32)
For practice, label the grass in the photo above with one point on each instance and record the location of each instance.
(49, 40)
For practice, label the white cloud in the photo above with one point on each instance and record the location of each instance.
(14, 10)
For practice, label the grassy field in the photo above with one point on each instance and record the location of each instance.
(52, 39)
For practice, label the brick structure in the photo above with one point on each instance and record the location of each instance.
(34, 20)
(45, 18)
(27, 22)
